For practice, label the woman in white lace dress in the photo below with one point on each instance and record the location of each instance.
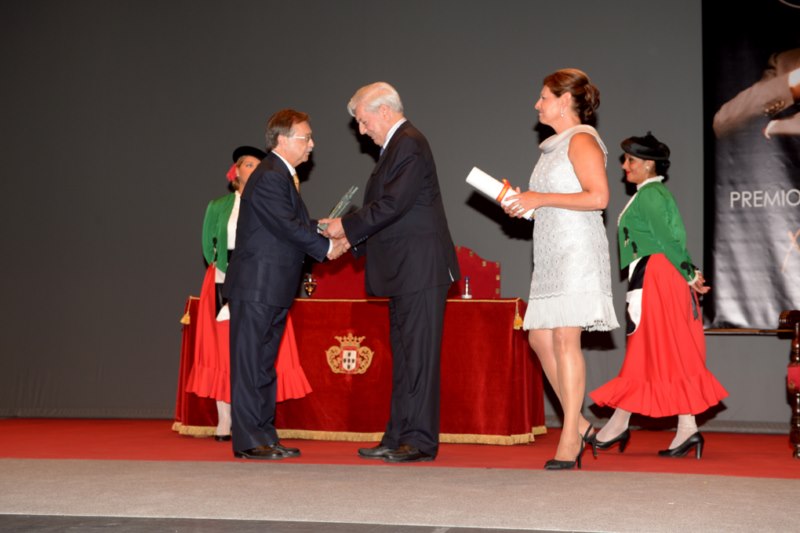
(571, 283)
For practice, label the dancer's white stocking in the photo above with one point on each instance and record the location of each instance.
(686, 428)
(224, 418)
(615, 425)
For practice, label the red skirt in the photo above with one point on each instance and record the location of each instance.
(210, 376)
(664, 372)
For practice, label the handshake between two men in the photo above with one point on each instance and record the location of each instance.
(335, 232)
(417, 292)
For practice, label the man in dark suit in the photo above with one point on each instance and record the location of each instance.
(274, 234)
(411, 259)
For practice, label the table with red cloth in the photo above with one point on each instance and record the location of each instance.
(193, 415)
(491, 385)
(199, 382)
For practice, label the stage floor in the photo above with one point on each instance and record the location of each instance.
(55, 474)
(725, 454)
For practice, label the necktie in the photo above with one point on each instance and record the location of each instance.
(296, 182)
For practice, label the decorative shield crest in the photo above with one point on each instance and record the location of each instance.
(349, 357)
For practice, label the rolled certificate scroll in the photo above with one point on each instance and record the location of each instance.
(499, 191)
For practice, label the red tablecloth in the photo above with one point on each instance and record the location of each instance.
(491, 390)
(193, 415)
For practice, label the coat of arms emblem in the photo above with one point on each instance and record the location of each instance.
(349, 357)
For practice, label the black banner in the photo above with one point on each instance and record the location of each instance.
(751, 55)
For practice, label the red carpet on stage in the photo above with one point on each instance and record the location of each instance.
(726, 454)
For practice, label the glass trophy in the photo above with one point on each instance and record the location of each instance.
(340, 208)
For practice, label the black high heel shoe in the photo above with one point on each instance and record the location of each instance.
(622, 438)
(589, 438)
(695, 441)
(556, 464)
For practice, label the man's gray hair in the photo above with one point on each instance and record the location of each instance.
(375, 95)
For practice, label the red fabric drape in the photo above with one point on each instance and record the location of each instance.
(210, 375)
(491, 381)
(491, 389)
(793, 378)
(191, 410)
(292, 381)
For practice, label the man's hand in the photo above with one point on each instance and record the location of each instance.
(334, 229)
(340, 246)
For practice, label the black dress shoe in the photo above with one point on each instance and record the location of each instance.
(695, 441)
(377, 452)
(622, 439)
(222, 438)
(407, 454)
(260, 452)
(287, 452)
(556, 464)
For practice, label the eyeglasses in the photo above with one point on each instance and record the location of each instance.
(306, 138)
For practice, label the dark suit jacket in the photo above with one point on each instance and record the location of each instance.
(273, 235)
(402, 226)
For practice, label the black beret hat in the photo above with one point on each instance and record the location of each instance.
(248, 150)
(647, 147)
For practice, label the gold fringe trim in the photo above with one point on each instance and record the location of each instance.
(449, 438)
(347, 436)
(517, 318)
(382, 300)
(193, 431)
(496, 440)
(186, 319)
(488, 300)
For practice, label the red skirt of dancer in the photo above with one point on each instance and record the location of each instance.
(664, 372)
(210, 373)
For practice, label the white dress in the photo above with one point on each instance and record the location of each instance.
(571, 283)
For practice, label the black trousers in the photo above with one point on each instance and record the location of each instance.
(415, 322)
(256, 332)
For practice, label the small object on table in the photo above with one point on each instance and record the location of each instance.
(467, 293)
(309, 285)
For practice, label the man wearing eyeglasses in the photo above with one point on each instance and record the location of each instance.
(411, 259)
(273, 235)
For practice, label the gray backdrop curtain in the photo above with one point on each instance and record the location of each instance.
(118, 118)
